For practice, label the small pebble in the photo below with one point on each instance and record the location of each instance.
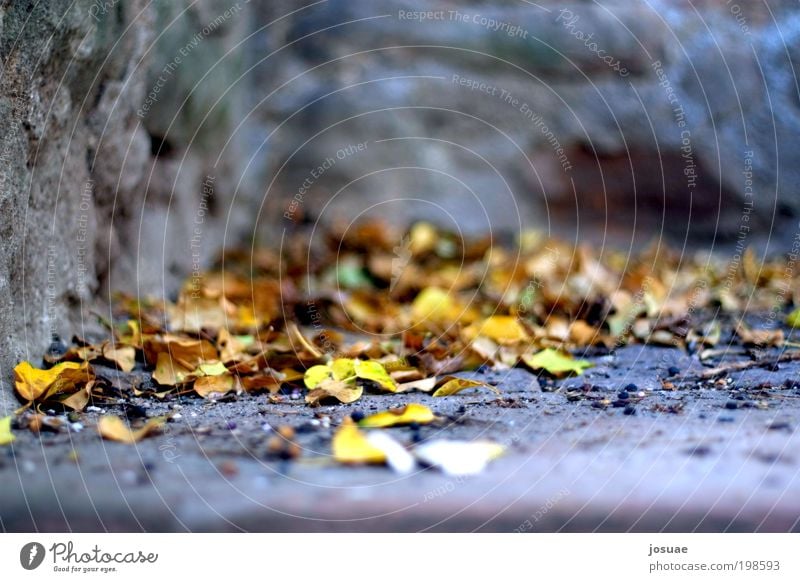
(76, 426)
(176, 416)
(629, 410)
(266, 428)
(731, 405)
(673, 370)
(623, 395)
(93, 409)
(231, 425)
(631, 388)
(357, 415)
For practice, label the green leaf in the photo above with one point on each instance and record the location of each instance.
(375, 372)
(555, 362)
(793, 318)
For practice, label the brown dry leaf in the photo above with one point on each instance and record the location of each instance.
(760, 337)
(170, 371)
(188, 352)
(345, 392)
(195, 313)
(80, 399)
(123, 356)
(455, 385)
(35, 384)
(213, 387)
(114, 428)
(350, 445)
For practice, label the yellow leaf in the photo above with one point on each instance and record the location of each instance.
(501, 328)
(123, 356)
(35, 384)
(793, 318)
(211, 369)
(555, 362)
(456, 385)
(350, 445)
(375, 372)
(432, 303)
(343, 369)
(396, 416)
(214, 386)
(114, 428)
(345, 392)
(6, 438)
(422, 238)
(315, 375)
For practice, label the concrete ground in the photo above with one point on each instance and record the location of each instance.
(703, 456)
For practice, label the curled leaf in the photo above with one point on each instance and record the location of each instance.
(375, 372)
(350, 445)
(396, 416)
(555, 363)
(114, 428)
(345, 392)
(35, 384)
(123, 356)
(456, 385)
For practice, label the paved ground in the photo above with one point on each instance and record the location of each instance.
(704, 456)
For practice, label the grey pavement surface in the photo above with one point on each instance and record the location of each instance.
(715, 456)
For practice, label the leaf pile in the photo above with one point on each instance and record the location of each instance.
(371, 309)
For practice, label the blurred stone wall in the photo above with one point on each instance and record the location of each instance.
(677, 117)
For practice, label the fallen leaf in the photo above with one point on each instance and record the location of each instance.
(213, 387)
(456, 385)
(397, 416)
(458, 458)
(375, 372)
(344, 392)
(123, 356)
(315, 375)
(6, 437)
(350, 445)
(170, 371)
(555, 362)
(760, 337)
(35, 384)
(114, 428)
(424, 385)
(500, 328)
